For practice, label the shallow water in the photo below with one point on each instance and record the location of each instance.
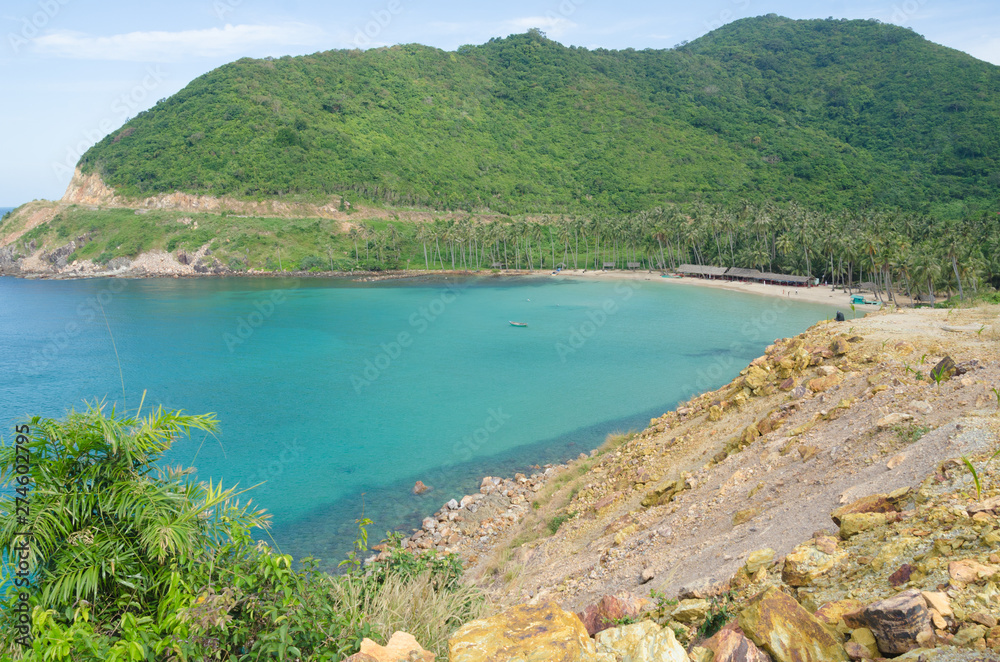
(340, 395)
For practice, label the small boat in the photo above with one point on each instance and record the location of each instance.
(672, 276)
(519, 324)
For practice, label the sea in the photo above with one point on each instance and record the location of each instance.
(334, 396)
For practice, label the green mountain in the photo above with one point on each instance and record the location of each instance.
(830, 114)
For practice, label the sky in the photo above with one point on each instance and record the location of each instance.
(73, 71)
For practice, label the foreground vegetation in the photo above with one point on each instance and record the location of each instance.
(833, 114)
(131, 561)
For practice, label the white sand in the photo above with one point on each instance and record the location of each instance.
(819, 294)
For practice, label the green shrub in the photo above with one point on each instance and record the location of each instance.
(133, 562)
(311, 262)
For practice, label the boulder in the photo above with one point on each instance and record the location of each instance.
(532, 633)
(360, 657)
(821, 384)
(901, 576)
(866, 639)
(842, 616)
(402, 647)
(855, 523)
(777, 623)
(420, 488)
(839, 346)
(755, 378)
(875, 503)
(897, 622)
(760, 558)
(610, 608)
(730, 645)
(944, 370)
(640, 642)
(691, 611)
(970, 571)
(805, 563)
(939, 602)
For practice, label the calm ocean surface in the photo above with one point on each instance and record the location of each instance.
(341, 395)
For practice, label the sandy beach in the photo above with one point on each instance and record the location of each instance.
(819, 294)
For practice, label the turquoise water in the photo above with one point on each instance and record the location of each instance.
(340, 395)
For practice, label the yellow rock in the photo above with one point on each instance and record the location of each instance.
(939, 601)
(624, 534)
(700, 654)
(759, 559)
(854, 523)
(750, 434)
(805, 563)
(401, 647)
(778, 624)
(691, 611)
(531, 633)
(865, 637)
(745, 515)
(755, 378)
(714, 413)
(832, 613)
(640, 642)
(821, 384)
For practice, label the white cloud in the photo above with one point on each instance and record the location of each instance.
(155, 46)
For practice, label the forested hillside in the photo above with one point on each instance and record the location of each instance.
(829, 114)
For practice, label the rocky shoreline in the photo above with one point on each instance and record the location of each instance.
(819, 507)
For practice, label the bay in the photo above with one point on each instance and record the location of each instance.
(339, 395)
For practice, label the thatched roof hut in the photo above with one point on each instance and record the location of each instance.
(783, 279)
(703, 270)
(739, 273)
